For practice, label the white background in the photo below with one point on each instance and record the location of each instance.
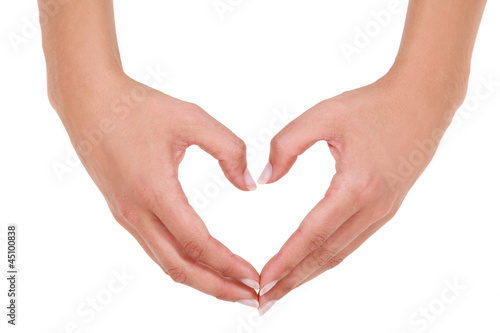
(263, 57)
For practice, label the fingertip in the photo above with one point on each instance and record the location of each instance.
(265, 274)
(251, 283)
(249, 182)
(250, 273)
(266, 174)
(266, 288)
(237, 175)
(249, 302)
(266, 307)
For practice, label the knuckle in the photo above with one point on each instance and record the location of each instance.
(383, 209)
(192, 115)
(306, 267)
(220, 296)
(222, 293)
(226, 271)
(145, 194)
(238, 149)
(391, 214)
(324, 257)
(139, 190)
(194, 250)
(286, 288)
(315, 242)
(334, 262)
(178, 275)
(125, 210)
(366, 190)
(240, 145)
(194, 107)
(278, 143)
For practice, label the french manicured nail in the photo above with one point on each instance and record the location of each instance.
(264, 308)
(267, 287)
(266, 174)
(251, 283)
(249, 302)
(249, 182)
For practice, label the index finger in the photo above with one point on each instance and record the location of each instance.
(183, 269)
(321, 222)
(191, 233)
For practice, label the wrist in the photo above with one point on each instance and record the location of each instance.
(436, 85)
(72, 83)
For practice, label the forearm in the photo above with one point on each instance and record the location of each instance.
(80, 46)
(437, 45)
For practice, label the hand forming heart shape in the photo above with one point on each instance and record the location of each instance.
(131, 139)
(379, 136)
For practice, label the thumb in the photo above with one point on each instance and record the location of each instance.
(218, 141)
(292, 141)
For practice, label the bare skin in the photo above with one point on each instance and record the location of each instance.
(371, 131)
(131, 139)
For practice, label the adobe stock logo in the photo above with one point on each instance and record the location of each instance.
(31, 27)
(94, 305)
(253, 321)
(486, 88)
(223, 7)
(364, 36)
(421, 319)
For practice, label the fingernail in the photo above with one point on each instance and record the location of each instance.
(267, 287)
(249, 302)
(249, 182)
(266, 174)
(264, 308)
(251, 283)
